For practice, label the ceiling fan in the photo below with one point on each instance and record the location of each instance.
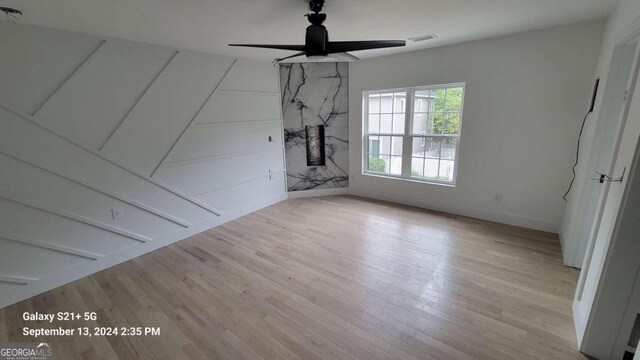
(317, 45)
(12, 14)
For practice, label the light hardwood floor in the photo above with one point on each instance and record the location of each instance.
(328, 278)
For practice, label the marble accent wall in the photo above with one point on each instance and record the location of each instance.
(316, 94)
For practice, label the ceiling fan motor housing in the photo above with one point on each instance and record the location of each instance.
(317, 41)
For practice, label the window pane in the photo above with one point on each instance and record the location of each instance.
(398, 123)
(374, 103)
(385, 145)
(378, 163)
(439, 100)
(454, 99)
(380, 145)
(446, 170)
(448, 148)
(432, 148)
(419, 144)
(417, 167)
(428, 123)
(420, 124)
(451, 123)
(436, 120)
(374, 145)
(423, 100)
(399, 102)
(386, 103)
(385, 123)
(374, 123)
(431, 168)
(395, 165)
(396, 146)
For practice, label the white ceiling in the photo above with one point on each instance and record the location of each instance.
(208, 25)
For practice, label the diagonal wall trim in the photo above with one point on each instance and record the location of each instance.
(215, 88)
(242, 181)
(16, 279)
(152, 181)
(75, 74)
(251, 91)
(245, 122)
(65, 276)
(115, 129)
(84, 220)
(213, 210)
(212, 158)
(54, 247)
(106, 192)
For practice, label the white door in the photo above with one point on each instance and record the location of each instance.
(603, 152)
(597, 323)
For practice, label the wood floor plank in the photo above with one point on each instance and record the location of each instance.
(336, 277)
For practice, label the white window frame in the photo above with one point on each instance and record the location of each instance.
(408, 136)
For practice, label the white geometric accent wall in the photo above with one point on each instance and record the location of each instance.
(178, 141)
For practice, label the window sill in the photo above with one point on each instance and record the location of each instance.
(392, 177)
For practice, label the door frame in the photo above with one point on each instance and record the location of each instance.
(634, 40)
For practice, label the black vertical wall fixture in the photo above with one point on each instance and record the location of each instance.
(315, 145)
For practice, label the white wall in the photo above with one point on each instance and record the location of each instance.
(176, 140)
(525, 98)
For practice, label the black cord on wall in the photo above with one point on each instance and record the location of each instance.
(584, 121)
(564, 197)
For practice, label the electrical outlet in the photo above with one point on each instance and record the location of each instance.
(497, 199)
(116, 214)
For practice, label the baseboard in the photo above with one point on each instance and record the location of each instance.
(66, 276)
(315, 193)
(484, 214)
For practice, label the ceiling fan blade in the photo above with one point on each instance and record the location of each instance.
(344, 46)
(344, 56)
(279, 47)
(289, 57)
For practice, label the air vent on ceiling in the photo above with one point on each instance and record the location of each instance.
(423, 37)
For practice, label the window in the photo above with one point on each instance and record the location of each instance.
(413, 133)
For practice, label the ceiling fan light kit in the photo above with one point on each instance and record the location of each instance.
(317, 46)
